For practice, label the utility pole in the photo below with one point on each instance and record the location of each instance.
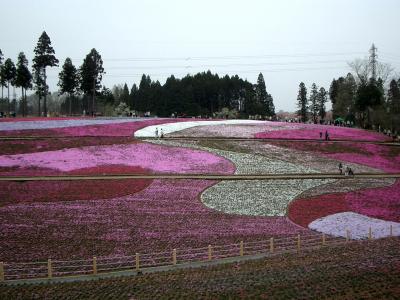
(372, 60)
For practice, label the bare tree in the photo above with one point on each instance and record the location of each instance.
(363, 70)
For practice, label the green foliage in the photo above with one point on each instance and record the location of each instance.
(314, 108)
(321, 100)
(91, 73)
(263, 99)
(302, 103)
(44, 57)
(23, 80)
(8, 73)
(68, 81)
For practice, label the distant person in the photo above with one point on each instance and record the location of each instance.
(320, 135)
(347, 171)
(162, 133)
(156, 132)
(340, 168)
(326, 135)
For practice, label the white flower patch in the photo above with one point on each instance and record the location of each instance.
(256, 198)
(149, 131)
(357, 224)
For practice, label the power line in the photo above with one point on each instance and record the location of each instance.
(224, 57)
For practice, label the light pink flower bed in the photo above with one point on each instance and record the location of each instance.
(166, 215)
(115, 130)
(312, 132)
(148, 156)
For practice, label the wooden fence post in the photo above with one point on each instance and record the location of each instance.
(298, 242)
(209, 252)
(49, 269)
(271, 245)
(347, 235)
(174, 257)
(241, 252)
(137, 262)
(1, 271)
(370, 234)
(94, 265)
(323, 239)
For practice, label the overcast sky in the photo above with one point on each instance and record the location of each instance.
(288, 41)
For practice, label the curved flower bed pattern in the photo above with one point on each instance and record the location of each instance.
(338, 224)
(256, 198)
(381, 203)
(164, 216)
(245, 163)
(56, 191)
(148, 156)
(179, 126)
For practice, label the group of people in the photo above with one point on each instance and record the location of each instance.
(159, 134)
(347, 172)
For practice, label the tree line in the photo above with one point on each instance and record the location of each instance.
(362, 99)
(86, 80)
(202, 94)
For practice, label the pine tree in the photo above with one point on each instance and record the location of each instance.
(125, 94)
(2, 80)
(91, 74)
(302, 103)
(322, 99)
(41, 88)
(44, 57)
(314, 102)
(68, 81)
(9, 73)
(263, 99)
(133, 97)
(394, 97)
(23, 80)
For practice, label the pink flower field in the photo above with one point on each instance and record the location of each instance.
(166, 215)
(148, 156)
(79, 219)
(312, 132)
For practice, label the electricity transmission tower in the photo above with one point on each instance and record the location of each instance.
(372, 60)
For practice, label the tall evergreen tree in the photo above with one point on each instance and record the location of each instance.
(40, 87)
(369, 97)
(314, 103)
(23, 80)
(302, 103)
(394, 105)
(91, 74)
(321, 100)
(133, 97)
(261, 95)
(68, 81)
(2, 80)
(125, 94)
(44, 57)
(9, 73)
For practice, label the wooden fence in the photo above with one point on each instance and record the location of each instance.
(138, 261)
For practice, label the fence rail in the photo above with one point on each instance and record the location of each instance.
(97, 264)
